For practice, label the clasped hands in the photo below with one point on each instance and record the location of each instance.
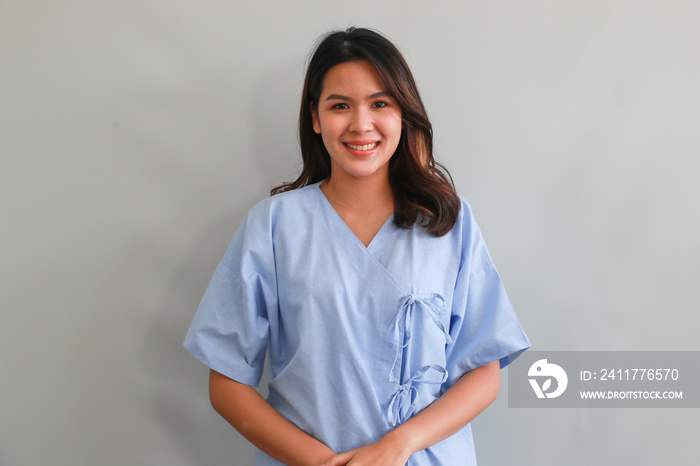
(390, 450)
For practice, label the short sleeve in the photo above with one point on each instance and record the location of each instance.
(230, 329)
(483, 325)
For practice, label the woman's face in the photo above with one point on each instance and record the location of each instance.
(359, 121)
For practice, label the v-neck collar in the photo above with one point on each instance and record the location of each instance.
(377, 245)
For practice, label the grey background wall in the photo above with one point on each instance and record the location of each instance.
(135, 135)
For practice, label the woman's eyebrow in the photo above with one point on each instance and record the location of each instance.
(373, 96)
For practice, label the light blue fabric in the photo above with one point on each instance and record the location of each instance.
(360, 339)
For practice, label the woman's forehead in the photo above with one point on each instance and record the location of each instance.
(358, 78)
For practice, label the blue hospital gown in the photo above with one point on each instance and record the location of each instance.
(359, 338)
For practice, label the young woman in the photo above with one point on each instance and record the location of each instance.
(368, 280)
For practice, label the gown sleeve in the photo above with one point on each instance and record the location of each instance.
(230, 329)
(483, 325)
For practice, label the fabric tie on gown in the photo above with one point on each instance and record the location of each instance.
(404, 402)
(433, 305)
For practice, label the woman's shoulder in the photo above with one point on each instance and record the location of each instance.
(465, 219)
(289, 203)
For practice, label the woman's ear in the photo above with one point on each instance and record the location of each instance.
(314, 118)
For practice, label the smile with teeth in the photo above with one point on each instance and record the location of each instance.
(365, 147)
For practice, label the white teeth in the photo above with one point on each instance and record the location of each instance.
(365, 147)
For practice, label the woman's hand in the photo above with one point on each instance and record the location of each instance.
(389, 451)
(461, 403)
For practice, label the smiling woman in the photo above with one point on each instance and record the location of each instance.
(422, 191)
(359, 121)
(368, 277)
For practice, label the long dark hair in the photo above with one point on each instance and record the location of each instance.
(423, 189)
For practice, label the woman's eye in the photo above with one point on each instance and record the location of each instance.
(379, 104)
(341, 106)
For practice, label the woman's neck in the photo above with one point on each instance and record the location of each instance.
(366, 194)
(364, 204)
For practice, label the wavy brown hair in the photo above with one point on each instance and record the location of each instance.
(424, 192)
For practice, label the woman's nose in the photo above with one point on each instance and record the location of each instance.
(361, 121)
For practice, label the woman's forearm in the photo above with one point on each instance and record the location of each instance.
(458, 406)
(262, 425)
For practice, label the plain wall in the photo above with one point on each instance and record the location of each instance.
(135, 135)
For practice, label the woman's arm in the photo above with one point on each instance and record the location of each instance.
(458, 406)
(262, 425)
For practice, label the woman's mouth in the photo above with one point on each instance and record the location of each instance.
(362, 147)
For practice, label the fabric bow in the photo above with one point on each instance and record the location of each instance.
(405, 401)
(433, 305)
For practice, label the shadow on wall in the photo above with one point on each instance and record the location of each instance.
(180, 399)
